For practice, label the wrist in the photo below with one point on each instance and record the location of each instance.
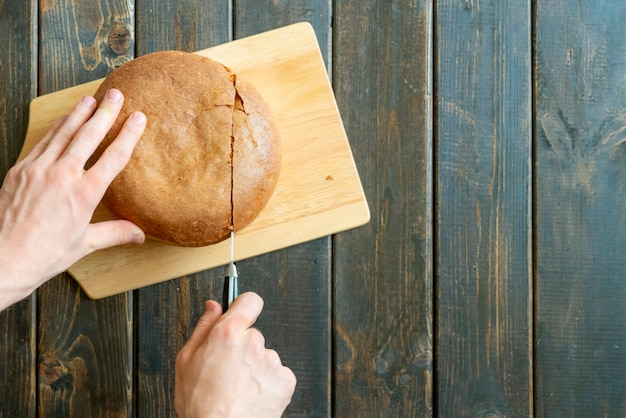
(12, 291)
(14, 286)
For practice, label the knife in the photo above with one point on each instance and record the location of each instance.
(231, 282)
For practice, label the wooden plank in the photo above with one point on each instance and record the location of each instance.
(168, 312)
(383, 313)
(85, 347)
(581, 233)
(18, 83)
(182, 25)
(295, 282)
(484, 257)
(17, 86)
(258, 16)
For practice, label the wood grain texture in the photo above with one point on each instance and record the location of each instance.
(17, 86)
(85, 363)
(168, 312)
(581, 228)
(250, 20)
(74, 40)
(182, 25)
(383, 272)
(484, 258)
(85, 347)
(295, 282)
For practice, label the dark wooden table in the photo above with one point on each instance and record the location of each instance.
(490, 280)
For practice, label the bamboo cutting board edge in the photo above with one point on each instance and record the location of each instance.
(188, 261)
(319, 192)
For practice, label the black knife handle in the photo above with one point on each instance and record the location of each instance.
(231, 291)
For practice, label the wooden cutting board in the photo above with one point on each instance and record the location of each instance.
(319, 192)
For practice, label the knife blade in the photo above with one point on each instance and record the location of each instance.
(231, 280)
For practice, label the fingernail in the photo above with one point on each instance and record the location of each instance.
(114, 95)
(250, 297)
(209, 306)
(138, 236)
(87, 100)
(138, 117)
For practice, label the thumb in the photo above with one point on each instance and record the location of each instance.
(111, 233)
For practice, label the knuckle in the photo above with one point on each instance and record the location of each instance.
(272, 357)
(290, 379)
(90, 133)
(224, 331)
(61, 136)
(35, 170)
(15, 172)
(119, 237)
(256, 337)
(181, 358)
(116, 156)
(48, 176)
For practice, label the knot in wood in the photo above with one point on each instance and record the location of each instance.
(119, 38)
(54, 373)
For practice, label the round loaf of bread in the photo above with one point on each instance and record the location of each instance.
(210, 156)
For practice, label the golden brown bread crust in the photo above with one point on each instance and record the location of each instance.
(177, 185)
(257, 154)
